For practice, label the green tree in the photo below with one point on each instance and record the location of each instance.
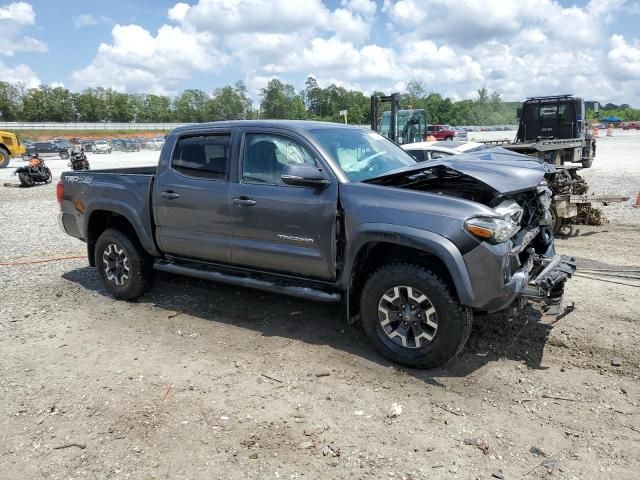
(151, 108)
(90, 105)
(278, 100)
(10, 102)
(120, 107)
(229, 103)
(190, 106)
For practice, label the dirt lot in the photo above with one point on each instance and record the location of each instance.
(265, 386)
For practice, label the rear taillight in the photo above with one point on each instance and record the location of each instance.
(60, 193)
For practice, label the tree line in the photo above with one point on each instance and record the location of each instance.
(277, 100)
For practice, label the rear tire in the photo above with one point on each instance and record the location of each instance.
(26, 180)
(48, 176)
(5, 157)
(417, 333)
(125, 269)
(64, 155)
(450, 139)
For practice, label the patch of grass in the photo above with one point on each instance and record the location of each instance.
(39, 135)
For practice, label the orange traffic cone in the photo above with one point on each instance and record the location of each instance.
(637, 205)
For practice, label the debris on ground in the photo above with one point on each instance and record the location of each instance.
(395, 410)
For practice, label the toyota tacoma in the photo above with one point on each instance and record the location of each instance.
(332, 213)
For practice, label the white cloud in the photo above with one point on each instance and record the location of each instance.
(88, 20)
(251, 16)
(624, 58)
(19, 12)
(19, 74)
(139, 61)
(518, 48)
(178, 12)
(15, 19)
(366, 8)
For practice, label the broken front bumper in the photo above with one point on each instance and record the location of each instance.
(546, 290)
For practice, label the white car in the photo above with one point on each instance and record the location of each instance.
(155, 143)
(427, 151)
(102, 147)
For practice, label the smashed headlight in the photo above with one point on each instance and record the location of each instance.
(511, 209)
(491, 228)
(544, 196)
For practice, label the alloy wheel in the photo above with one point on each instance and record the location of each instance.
(116, 264)
(407, 317)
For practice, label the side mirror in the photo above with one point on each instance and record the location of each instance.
(304, 176)
(519, 112)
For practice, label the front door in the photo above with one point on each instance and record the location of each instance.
(191, 199)
(278, 227)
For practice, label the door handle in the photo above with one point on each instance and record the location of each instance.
(169, 195)
(244, 202)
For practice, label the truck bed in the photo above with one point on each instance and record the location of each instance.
(124, 191)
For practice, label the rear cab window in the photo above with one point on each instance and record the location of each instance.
(203, 156)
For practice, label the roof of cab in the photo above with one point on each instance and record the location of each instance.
(296, 125)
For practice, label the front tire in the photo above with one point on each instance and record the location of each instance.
(5, 157)
(64, 155)
(125, 269)
(411, 317)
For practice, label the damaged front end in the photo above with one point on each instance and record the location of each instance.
(545, 289)
(509, 253)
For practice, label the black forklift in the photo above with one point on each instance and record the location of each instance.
(400, 126)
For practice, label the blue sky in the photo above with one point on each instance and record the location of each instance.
(518, 48)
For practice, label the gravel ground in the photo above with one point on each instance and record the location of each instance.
(264, 386)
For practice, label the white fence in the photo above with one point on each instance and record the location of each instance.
(87, 126)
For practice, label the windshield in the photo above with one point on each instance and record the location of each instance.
(362, 154)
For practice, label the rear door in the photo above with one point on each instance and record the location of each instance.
(191, 198)
(278, 227)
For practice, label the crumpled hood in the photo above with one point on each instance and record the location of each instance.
(504, 171)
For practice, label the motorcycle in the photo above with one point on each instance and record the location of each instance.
(78, 161)
(35, 172)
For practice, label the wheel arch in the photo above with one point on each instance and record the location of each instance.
(374, 246)
(100, 219)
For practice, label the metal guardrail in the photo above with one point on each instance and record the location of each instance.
(88, 126)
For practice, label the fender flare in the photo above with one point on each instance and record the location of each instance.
(130, 214)
(429, 242)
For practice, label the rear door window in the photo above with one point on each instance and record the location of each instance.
(203, 156)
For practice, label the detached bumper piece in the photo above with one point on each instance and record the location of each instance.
(546, 290)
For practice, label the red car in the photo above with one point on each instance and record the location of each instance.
(631, 126)
(441, 132)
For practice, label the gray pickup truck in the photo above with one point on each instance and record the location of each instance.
(332, 213)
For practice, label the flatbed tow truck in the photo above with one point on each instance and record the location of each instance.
(554, 129)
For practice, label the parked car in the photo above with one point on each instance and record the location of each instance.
(441, 132)
(142, 142)
(88, 145)
(427, 151)
(46, 149)
(631, 126)
(130, 146)
(328, 212)
(155, 143)
(102, 146)
(462, 133)
(117, 144)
